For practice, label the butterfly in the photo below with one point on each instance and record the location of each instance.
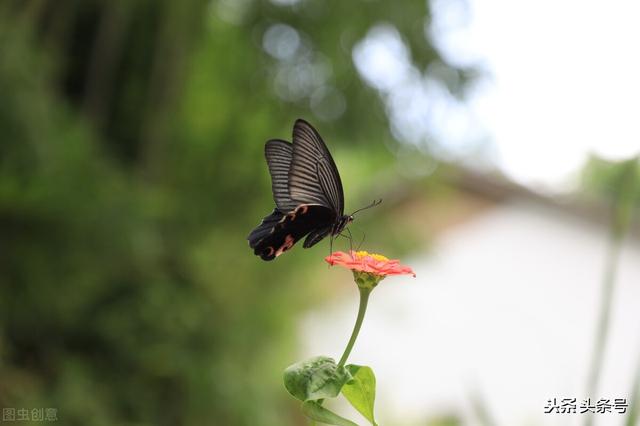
(307, 191)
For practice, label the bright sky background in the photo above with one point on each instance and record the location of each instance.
(562, 79)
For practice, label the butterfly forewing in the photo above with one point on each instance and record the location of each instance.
(313, 176)
(330, 186)
(279, 154)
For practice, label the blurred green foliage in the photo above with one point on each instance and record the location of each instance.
(609, 179)
(131, 171)
(617, 182)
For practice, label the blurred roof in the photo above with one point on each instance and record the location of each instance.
(475, 192)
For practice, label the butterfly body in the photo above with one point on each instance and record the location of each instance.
(307, 191)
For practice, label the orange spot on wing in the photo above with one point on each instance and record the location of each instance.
(302, 209)
(288, 243)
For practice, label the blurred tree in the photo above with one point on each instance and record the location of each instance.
(618, 183)
(609, 179)
(131, 170)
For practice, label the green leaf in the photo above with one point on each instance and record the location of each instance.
(361, 390)
(315, 378)
(317, 412)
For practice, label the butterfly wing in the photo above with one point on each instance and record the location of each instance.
(313, 176)
(316, 236)
(307, 191)
(279, 154)
(279, 231)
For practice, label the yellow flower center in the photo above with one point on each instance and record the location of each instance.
(377, 257)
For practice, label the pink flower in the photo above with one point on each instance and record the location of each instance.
(371, 263)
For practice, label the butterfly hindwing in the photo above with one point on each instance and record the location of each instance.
(316, 236)
(279, 231)
(265, 228)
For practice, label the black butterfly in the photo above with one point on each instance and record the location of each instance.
(307, 191)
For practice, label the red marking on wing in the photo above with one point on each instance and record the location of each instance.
(288, 243)
(302, 209)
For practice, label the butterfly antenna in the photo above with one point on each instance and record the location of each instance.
(373, 204)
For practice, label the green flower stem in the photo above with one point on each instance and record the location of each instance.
(364, 299)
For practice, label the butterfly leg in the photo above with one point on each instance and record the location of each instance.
(348, 237)
(331, 237)
(350, 240)
(362, 240)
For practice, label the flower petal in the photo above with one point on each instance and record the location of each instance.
(371, 263)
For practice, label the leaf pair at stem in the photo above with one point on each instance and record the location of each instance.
(319, 378)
